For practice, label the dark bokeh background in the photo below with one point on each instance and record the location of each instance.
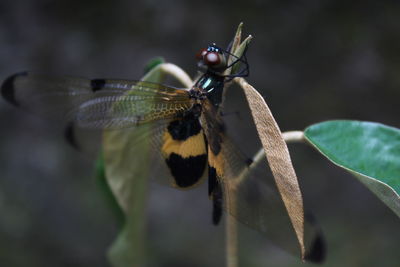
(313, 61)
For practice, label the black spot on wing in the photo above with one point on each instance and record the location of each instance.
(186, 171)
(215, 192)
(97, 84)
(217, 204)
(215, 144)
(216, 131)
(8, 88)
(249, 161)
(185, 127)
(317, 252)
(69, 135)
(212, 179)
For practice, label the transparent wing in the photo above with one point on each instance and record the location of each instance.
(251, 196)
(131, 151)
(132, 112)
(96, 103)
(249, 193)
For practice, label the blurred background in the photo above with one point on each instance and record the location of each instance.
(311, 60)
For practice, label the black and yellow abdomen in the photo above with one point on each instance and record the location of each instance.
(184, 150)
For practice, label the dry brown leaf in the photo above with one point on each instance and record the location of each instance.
(278, 158)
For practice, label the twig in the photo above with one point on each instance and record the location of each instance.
(293, 136)
(178, 73)
(231, 242)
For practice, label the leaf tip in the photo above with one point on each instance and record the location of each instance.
(154, 62)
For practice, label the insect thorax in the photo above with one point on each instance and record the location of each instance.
(212, 87)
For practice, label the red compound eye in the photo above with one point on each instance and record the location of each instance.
(212, 58)
(200, 55)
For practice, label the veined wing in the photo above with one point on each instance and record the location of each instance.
(130, 151)
(94, 103)
(148, 112)
(250, 194)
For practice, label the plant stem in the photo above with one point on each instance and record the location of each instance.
(231, 242)
(293, 136)
(178, 73)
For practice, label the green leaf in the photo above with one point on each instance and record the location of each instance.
(153, 63)
(237, 49)
(241, 49)
(126, 168)
(127, 175)
(370, 151)
(105, 188)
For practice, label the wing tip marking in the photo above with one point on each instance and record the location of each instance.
(318, 250)
(70, 137)
(8, 88)
(97, 84)
(317, 254)
(217, 200)
(186, 171)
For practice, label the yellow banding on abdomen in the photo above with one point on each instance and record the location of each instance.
(192, 146)
(216, 161)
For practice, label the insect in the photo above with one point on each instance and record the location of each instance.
(187, 130)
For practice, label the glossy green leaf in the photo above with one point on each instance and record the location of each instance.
(370, 151)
